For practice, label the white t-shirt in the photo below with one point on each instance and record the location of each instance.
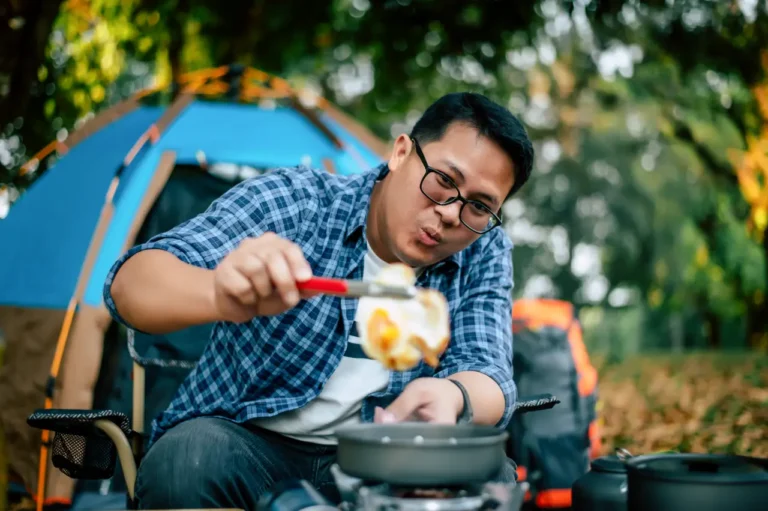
(340, 401)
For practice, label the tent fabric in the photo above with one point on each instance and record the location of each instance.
(244, 134)
(79, 370)
(236, 133)
(349, 164)
(30, 336)
(187, 193)
(52, 226)
(47, 231)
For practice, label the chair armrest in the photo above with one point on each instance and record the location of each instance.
(84, 445)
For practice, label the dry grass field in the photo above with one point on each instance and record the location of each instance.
(710, 402)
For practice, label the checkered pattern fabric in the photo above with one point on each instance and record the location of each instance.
(275, 364)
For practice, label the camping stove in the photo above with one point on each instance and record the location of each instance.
(359, 496)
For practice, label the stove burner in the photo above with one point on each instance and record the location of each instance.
(359, 495)
(439, 492)
(427, 493)
(386, 498)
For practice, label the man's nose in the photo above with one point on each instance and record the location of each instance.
(449, 213)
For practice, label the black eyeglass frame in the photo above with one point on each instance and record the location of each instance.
(464, 201)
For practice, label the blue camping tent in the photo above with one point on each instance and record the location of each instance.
(124, 175)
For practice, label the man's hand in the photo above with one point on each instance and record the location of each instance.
(435, 400)
(259, 278)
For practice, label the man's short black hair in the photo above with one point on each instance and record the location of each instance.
(490, 119)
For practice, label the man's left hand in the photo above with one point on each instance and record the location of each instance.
(433, 400)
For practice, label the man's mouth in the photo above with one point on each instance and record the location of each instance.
(429, 237)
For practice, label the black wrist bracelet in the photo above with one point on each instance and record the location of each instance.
(465, 417)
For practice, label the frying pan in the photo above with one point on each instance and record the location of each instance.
(423, 454)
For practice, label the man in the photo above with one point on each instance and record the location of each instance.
(284, 369)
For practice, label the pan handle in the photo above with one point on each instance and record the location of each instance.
(536, 403)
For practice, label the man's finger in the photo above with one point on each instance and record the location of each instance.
(255, 271)
(382, 416)
(282, 277)
(406, 404)
(297, 262)
(239, 287)
(441, 415)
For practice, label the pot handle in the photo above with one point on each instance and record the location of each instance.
(536, 403)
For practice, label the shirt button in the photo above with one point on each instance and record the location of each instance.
(270, 409)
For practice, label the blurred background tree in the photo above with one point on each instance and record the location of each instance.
(648, 207)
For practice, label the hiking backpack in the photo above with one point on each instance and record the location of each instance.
(552, 448)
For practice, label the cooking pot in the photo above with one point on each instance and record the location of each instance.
(672, 482)
(697, 482)
(604, 487)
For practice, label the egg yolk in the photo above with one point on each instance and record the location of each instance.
(382, 330)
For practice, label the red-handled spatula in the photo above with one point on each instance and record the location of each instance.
(356, 288)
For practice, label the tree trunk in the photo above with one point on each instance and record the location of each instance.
(677, 332)
(25, 26)
(757, 314)
(176, 28)
(757, 325)
(713, 325)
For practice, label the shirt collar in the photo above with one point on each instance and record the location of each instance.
(362, 199)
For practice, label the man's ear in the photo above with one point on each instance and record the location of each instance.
(400, 151)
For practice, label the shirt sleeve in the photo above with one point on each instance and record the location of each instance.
(481, 336)
(248, 209)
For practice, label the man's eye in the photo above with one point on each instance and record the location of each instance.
(479, 208)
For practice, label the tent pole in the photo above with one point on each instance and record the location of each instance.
(94, 124)
(325, 130)
(156, 184)
(316, 121)
(58, 355)
(313, 118)
(329, 165)
(105, 218)
(364, 134)
(139, 379)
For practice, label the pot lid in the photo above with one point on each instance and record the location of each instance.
(700, 468)
(610, 463)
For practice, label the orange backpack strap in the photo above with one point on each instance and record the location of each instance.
(584, 368)
(538, 312)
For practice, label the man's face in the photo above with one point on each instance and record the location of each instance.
(421, 232)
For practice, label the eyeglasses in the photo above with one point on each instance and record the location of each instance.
(438, 187)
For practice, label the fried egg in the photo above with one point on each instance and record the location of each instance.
(400, 333)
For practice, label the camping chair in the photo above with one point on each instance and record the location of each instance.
(87, 443)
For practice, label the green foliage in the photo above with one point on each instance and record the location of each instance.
(633, 105)
(88, 56)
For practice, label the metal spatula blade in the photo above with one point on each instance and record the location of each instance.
(357, 288)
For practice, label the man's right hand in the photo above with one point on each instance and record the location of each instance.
(259, 278)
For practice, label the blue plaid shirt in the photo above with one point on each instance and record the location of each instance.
(276, 364)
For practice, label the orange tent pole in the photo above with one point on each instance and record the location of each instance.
(152, 135)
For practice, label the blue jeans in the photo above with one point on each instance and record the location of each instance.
(214, 463)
